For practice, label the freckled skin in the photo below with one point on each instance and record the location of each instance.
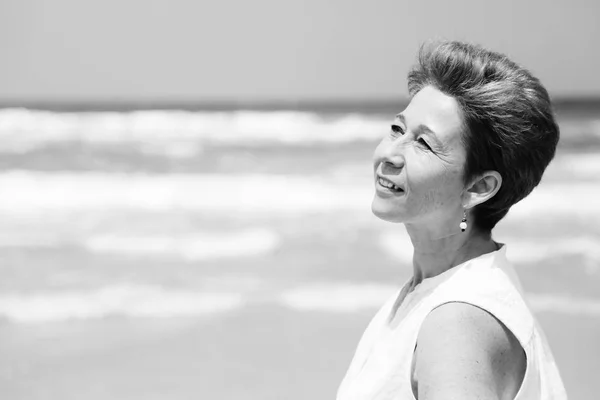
(432, 179)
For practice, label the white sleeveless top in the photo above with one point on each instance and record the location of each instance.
(381, 367)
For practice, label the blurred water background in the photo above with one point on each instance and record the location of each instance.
(223, 252)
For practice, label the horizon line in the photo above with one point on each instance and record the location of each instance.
(368, 105)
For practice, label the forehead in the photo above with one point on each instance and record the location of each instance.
(438, 111)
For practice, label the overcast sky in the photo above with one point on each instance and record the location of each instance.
(276, 49)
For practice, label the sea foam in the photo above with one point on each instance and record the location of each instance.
(560, 304)
(34, 192)
(149, 301)
(194, 247)
(531, 251)
(352, 297)
(27, 129)
(115, 300)
(39, 192)
(337, 297)
(397, 245)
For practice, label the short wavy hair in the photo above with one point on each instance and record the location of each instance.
(507, 114)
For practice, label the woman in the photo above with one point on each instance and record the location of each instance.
(475, 139)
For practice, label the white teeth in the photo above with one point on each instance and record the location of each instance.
(387, 184)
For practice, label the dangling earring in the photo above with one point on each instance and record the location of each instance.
(463, 223)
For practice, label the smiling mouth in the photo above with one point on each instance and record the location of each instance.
(389, 185)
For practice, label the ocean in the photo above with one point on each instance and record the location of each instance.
(221, 253)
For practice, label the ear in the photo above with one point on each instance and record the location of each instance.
(483, 188)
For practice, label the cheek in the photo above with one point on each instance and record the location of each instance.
(436, 187)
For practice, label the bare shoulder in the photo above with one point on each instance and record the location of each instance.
(465, 352)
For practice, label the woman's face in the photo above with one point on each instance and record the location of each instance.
(423, 157)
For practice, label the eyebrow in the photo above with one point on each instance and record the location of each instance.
(422, 128)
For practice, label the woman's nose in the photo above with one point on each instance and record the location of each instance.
(393, 157)
(391, 166)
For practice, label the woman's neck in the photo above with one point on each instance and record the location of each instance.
(433, 256)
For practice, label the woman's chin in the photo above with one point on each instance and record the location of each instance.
(386, 211)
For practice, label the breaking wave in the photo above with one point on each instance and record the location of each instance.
(39, 192)
(196, 247)
(115, 300)
(28, 129)
(148, 301)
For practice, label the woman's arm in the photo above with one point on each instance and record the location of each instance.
(463, 352)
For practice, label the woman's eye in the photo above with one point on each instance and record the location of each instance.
(424, 143)
(397, 130)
